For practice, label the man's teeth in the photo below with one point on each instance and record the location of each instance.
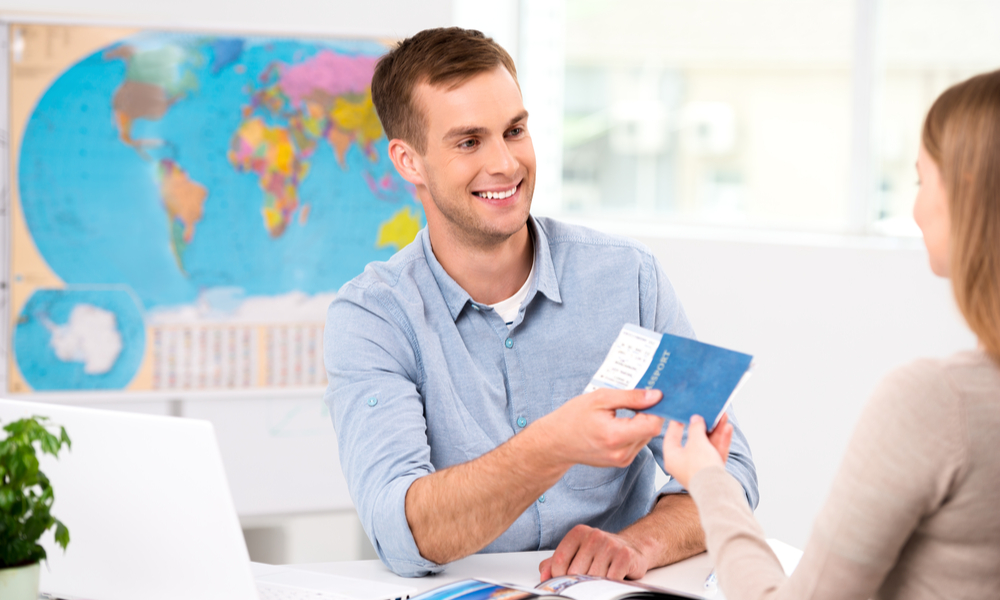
(497, 195)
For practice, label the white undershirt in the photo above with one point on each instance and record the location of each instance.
(507, 309)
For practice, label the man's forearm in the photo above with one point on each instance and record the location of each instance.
(459, 510)
(669, 533)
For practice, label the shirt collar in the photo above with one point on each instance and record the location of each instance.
(545, 275)
(456, 297)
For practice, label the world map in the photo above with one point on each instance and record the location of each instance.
(186, 168)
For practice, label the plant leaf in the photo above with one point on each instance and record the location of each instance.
(62, 534)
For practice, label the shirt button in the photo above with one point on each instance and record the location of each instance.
(372, 401)
(542, 498)
(475, 307)
(521, 421)
(509, 343)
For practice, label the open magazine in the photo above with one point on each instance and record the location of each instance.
(574, 587)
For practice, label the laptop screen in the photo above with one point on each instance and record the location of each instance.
(147, 505)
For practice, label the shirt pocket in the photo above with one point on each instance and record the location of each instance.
(581, 477)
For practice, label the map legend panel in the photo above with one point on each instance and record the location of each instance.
(295, 356)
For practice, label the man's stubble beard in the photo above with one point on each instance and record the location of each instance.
(470, 229)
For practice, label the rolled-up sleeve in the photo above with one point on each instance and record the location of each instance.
(373, 372)
(661, 311)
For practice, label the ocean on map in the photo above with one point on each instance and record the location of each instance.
(174, 164)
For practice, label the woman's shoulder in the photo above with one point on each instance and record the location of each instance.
(937, 390)
(972, 367)
(969, 370)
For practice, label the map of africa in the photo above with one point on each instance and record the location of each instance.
(217, 180)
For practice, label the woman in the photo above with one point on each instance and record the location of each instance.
(914, 511)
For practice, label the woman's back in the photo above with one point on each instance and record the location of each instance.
(954, 551)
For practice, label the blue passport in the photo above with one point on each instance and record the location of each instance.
(695, 378)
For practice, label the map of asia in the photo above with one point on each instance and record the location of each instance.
(186, 205)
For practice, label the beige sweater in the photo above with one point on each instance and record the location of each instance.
(914, 510)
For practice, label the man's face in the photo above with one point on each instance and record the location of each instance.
(478, 168)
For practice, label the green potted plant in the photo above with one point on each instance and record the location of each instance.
(25, 502)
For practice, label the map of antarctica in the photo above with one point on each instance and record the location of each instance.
(187, 205)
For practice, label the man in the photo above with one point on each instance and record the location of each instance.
(455, 368)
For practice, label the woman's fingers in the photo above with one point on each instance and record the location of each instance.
(696, 428)
(722, 436)
(673, 435)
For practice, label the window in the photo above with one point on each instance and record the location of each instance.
(926, 46)
(777, 114)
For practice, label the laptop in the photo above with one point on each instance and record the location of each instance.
(150, 515)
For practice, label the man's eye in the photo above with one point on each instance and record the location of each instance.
(467, 144)
(515, 131)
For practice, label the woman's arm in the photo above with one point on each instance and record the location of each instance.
(899, 467)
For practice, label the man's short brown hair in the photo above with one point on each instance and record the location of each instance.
(444, 56)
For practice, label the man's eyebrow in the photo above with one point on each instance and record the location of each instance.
(521, 116)
(464, 131)
(469, 131)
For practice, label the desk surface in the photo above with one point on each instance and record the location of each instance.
(522, 568)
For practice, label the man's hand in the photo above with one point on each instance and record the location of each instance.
(669, 533)
(589, 551)
(701, 450)
(584, 430)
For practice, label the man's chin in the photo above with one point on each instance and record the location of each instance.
(486, 236)
(496, 238)
(490, 227)
(513, 227)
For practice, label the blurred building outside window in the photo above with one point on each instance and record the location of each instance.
(793, 115)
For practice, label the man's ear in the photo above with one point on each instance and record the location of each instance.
(407, 161)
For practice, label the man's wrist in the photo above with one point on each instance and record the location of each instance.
(540, 449)
(669, 533)
(648, 546)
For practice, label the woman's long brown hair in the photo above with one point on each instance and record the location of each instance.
(962, 134)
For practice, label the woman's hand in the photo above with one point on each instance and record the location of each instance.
(701, 450)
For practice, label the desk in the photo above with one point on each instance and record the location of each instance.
(522, 568)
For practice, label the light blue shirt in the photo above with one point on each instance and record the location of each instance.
(421, 378)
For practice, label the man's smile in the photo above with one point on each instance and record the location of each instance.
(498, 194)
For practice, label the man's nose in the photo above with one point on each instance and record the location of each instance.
(500, 159)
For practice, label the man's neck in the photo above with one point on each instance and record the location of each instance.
(489, 274)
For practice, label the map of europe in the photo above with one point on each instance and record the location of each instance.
(190, 169)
